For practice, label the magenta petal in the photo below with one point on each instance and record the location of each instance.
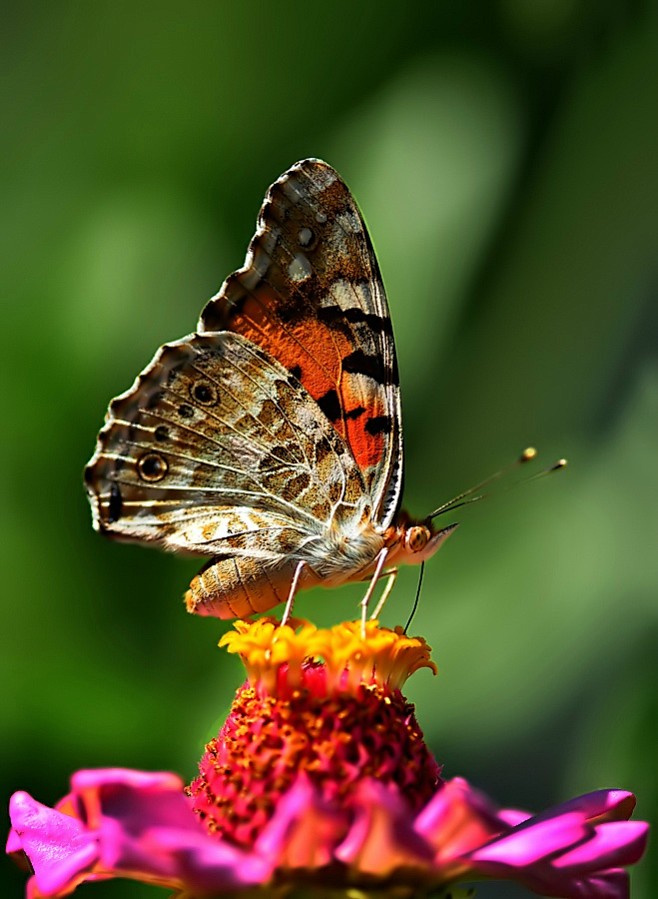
(382, 838)
(148, 830)
(133, 824)
(567, 856)
(458, 819)
(14, 842)
(456, 792)
(290, 808)
(123, 793)
(209, 865)
(615, 844)
(304, 830)
(127, 824)
(613, 884)
(513, 816)
(143, 781)
(527, 844)
(595, 807)
(59, 847)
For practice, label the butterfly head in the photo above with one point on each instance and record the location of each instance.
(416, 541)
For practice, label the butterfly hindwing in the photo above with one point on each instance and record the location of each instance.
(310, 294)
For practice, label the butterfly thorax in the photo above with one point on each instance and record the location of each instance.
(342, 553)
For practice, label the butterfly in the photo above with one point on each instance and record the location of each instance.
(271, 439)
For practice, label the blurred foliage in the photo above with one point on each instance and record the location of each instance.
(505, 156)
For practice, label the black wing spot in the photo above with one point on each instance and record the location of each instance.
(361, 363)
(334, 315)
(152, 467)
(357, 412)
(330, 405)
(379, 424)
(185, 411)
(115, 504)
(204, 393)
(296, 372)
(161, 433)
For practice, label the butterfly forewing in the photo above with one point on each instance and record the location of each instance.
(311, 295)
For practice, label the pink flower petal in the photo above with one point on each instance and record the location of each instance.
(513, 816)
(149, 831)
(526, 845)
(205, 864)
(127, 824)
(614, 845)
(458, 819)
(304, 830)
(119, 823)
(566, 853)
(60, 848)
(596, 807)
(382, 839)
(157, 796)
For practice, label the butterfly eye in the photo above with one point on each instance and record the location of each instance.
(151, 467)
(416, 538)
(204, 392)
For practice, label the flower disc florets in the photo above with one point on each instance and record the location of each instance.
(323, 702)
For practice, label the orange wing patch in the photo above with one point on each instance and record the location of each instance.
(310, 293)
(339, 394)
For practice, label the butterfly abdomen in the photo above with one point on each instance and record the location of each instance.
(236, 587)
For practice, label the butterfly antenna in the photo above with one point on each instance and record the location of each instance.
(556, 466)
(472, 496)
(417, 598)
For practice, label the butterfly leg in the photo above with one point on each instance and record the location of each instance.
(379, 565)
(392, 576)
(293, 590)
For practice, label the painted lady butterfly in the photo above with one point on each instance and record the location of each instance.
(271, 439)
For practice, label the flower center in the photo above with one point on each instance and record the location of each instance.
(338, 720)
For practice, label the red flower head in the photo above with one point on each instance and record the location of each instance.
(320, 779)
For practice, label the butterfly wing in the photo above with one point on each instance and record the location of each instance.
(218, 450)
(310, 293)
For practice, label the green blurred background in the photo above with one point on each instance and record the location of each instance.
(505, 156)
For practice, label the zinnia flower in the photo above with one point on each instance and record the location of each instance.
(320, 780)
